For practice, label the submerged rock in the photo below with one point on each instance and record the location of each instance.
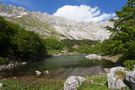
(113, 81)
(93, 56)
(73, 82)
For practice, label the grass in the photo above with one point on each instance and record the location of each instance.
(34, 22)
(30, 82)
(96, 79)
(120, 74)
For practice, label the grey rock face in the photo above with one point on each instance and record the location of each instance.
(113, 82)
(130, 76)
(12, 11)
(76, 30)
(73, 82)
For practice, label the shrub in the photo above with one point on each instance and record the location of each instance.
(2, 60)
(129, 64)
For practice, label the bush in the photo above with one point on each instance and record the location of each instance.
(129, 64)
(18, 44)
(2, 60)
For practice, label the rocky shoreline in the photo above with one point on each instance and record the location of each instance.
(12, 65)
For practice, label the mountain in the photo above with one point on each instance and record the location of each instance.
(49, 25)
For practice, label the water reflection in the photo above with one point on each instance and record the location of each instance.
(64, 66)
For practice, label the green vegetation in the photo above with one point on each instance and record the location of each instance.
(120, 74)
(34, 22)
(96, 49)
(39, 83)
(53, 45)
(122, 41)
(129, 64)
(18, 44)
(82, 46)
(98, 79)
(32, 83)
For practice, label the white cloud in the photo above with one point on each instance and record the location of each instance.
(83, 13)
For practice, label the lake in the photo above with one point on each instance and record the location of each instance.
(64, 66)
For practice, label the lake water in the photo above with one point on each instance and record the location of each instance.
(64, 66)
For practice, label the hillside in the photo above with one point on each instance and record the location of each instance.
(49, 25)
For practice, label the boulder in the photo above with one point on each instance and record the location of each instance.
(16, 64)
(134, 68)
(113, 81)
(2, 67)
(46, 71)
(24, 63)
(93, 56)
(114, 69)
(106, 70)
(130, 76)
(38, 73)
(1, 84)
(73, 82)
(10, 66)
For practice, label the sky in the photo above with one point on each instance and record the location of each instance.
(78, 10)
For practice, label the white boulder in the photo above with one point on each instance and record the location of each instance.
(93, 56)
(46, 71)
(38, 73)
(130, 76)
(73, 82)
(113, 81)
(24, 63)
(9, 66)
(1, 84)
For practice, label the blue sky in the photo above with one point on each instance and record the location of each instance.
(78, 10)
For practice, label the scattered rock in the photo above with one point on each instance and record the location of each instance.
(1, 84)
(46, 71)
(113, 81)
(130, 76)
(38, 73)
(24, 63)
(73, 82)
(106, 70)
(93, 56)
(11, 65)
(2, 67)
(16, 64)
(90, 81)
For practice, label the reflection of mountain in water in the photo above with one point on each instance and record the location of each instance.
(80, 71)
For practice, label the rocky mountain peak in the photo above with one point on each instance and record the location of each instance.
(65, 27)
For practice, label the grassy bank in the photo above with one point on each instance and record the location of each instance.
(41, 83)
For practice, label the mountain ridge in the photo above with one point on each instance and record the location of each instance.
(60, 27)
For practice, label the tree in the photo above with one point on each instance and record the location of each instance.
(19, 44)
(122, 41)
